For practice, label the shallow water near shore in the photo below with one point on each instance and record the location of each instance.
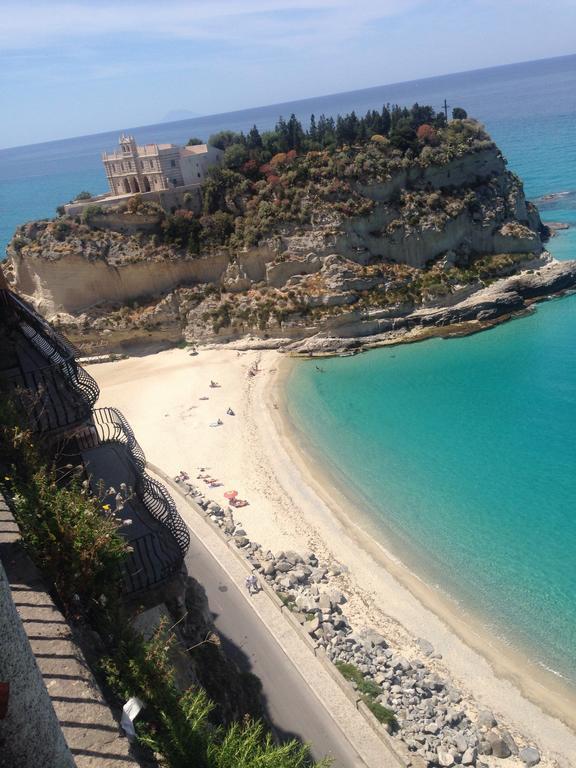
(463, 450)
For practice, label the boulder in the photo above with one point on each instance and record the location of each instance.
(336, 596)
(293, 557)
(485, 719)
(312, 625)
(499, 746)
(305, 603)
(300, 574)
(284, 566)
(241, 541)
(484, 747)
(324, 603)
(469, 756)
(425, 646)
(317, 575)
(509, 739)
(530, 756)
(444, 758)
(372, 639)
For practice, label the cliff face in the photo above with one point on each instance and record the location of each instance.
(426, 234)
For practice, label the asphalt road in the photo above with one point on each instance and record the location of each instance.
(292, 706)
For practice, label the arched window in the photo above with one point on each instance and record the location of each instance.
(126, 186)
(146, 183)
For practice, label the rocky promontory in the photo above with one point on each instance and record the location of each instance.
(320, 250)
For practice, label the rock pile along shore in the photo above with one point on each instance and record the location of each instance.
(431, 723)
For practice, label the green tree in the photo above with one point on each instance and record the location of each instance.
(225, 139)
(459, 114)
(83, 195)
(254, 140)
(235, 156)
(403, 136)
(194, 142)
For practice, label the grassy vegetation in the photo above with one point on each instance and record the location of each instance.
(68, 532)
(176, 725)
(370, 691)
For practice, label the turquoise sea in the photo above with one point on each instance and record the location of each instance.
(463, 450)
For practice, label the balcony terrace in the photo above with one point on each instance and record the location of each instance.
(41, 366)
(152, 526)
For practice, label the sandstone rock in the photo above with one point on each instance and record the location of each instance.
(530, 756)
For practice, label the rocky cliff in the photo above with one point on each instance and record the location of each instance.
(360, 241)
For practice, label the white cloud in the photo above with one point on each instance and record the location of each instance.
(28, 25)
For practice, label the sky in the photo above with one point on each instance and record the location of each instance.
(73, 67)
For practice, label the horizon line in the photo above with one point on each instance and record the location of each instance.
(292, 101)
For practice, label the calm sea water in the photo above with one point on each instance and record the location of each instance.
(463, 450)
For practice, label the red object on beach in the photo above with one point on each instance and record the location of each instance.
(230, 494)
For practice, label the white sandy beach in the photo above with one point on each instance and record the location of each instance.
(293, 505)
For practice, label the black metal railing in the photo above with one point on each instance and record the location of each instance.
(112, 426)
(155, 557)
(141, 570)
(55, 396)
(161, 505)
(38, 327)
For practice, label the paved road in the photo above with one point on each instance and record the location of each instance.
(292, 705)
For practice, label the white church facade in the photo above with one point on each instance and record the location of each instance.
(156, 167)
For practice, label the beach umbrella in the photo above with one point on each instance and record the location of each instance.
(231, 494)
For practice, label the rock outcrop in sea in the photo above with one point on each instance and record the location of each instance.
(364, 242)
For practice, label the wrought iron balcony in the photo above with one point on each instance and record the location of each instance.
(40, 332)
(56, 396)
(157, 534)
(41, 365)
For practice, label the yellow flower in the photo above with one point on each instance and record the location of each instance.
(106, 506)
(7, 478)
